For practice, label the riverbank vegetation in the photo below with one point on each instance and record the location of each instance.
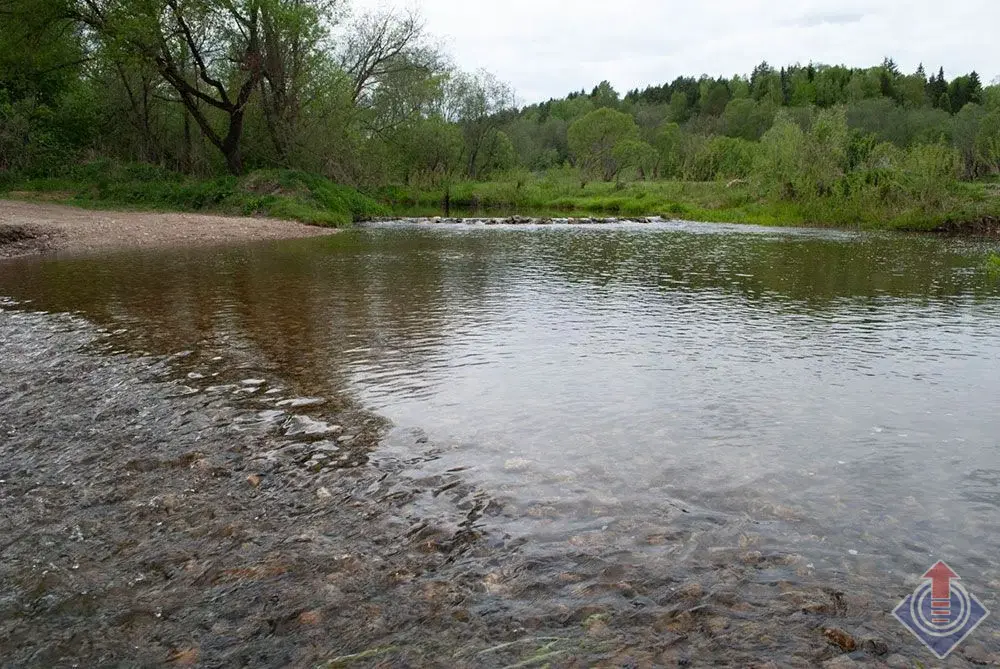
(304, 109)
(276, 193)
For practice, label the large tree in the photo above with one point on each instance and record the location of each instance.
(593, 138)
(477, 102)
(211, 53)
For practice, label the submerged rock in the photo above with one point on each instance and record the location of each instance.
(326, 447)
(841, 639)
(302, 402)
(271, 416)
(298, 426)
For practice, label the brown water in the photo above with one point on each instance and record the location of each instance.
(668, 394)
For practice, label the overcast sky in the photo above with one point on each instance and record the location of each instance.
(546, 48)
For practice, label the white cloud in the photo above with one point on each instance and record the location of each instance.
(546, 48)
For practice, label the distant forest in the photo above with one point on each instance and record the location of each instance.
(688, 121)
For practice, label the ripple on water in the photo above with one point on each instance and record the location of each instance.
(660, 389)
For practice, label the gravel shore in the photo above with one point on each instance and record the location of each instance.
(29, 228)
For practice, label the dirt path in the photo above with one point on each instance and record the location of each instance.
(28, 228)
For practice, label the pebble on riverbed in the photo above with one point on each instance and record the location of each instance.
(302, 402)
(304, 426)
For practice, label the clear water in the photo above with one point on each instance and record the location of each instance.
(668, 391)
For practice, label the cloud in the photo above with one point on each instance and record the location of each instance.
(833, 18)
(546, 48)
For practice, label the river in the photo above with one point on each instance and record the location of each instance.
(667, 398)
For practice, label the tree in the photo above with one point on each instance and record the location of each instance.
(826, 153)
(635, 154)
(991, 96)
(928, 171)
(210, 52)
(968, 123)
(714, 97)
(747, 118)
(937, 91)
(477, 102)
(295, 60)
(864, 85)
(679, 105)
(988, 143)
(780, 161)
(395, 72)
(497, 155)
(803, 90)
(964, 90)
(669, 146)
(830, 84)
(912, 90)
(40, 53)
(604, 95)
(45, 107)
(593, 138)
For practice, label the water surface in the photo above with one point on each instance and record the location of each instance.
(667, 392)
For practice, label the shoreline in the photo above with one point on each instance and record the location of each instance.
(33, 228)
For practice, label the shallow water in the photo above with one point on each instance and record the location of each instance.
(660, 392)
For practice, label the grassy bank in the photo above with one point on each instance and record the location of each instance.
(309, 198)
(285, 194)
(717, 201)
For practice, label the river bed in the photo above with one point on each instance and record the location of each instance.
(658, 444)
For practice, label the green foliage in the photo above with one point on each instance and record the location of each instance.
(431, 150)
(747, 119)
(928, 173)
(636, 155)
(825, 156)
(275, 193)
(782, 151)
(719, 158)
(279, 92)
(558, 193)
(988, 144)
(993, 265)
(991, 97)
(669, 145)
(593, 138)
(496, 155)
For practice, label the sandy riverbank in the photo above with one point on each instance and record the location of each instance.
(28, 228)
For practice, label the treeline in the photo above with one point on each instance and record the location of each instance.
(703, 129)
(207, 87)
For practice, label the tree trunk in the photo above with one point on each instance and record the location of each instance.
(186, 160)
(230, 146)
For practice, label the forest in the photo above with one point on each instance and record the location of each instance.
(306, 109)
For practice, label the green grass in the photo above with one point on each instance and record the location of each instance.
(313, 199)
(717, 201)
(993, 265)
(283, 194)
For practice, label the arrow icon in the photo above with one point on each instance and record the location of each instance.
(941, 576)
(940, 612)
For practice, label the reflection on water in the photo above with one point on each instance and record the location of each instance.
(836, 392)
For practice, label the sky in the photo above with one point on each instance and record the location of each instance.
(547, 48)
